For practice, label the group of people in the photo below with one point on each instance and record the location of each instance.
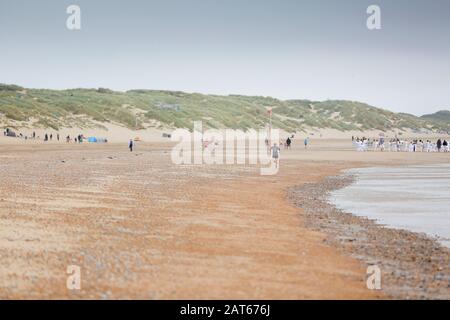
(47, 137)
(288, 142)
(397, 145)
(10, 133)
(77, 139)
(276, 148)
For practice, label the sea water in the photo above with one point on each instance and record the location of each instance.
(415, 198)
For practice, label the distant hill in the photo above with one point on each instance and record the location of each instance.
(140, 109)
(441, 116)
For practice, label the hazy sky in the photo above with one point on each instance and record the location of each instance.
(287, 49)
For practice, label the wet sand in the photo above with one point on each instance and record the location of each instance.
(412, 265)
(142, 227)
(414, 198)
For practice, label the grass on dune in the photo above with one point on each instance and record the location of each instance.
(137, 109)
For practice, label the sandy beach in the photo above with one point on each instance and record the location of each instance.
(141, 227)
(225, 150)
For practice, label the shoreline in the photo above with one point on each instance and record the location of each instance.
(413, 265)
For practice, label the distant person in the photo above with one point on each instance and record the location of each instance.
(57, 136)
(51, 136)
(288, 143)
(445, 145)
(306, 143)
(75, 139)
(130, 145)
(275, 153)
(34, 135)
(439, 145)
(381, 144)
(46, 137)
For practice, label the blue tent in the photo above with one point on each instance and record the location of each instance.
(97, 140)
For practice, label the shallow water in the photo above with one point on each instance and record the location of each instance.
(415, 198)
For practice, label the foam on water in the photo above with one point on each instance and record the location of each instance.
(415, 198)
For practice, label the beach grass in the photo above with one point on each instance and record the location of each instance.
(140, 109)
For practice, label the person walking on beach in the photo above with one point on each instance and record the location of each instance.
(46, 137)
(130, 145)
(306, 143)
(275, 153)
(439, 145)
(288, 143)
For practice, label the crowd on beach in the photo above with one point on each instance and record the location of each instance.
(80, 138)
(398, 145)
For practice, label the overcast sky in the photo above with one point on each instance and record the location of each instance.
(287, 49)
